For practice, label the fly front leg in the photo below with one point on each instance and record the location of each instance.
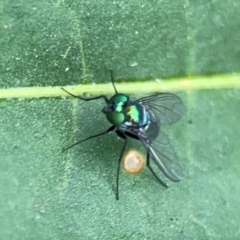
(86, 99)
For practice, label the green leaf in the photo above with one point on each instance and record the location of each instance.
(47, 194)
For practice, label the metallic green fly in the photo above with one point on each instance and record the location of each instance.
(141, 119)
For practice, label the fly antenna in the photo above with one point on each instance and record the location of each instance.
(112, 79)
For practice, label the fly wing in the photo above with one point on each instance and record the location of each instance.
(168, 108)
(161, 152)
(165, 157)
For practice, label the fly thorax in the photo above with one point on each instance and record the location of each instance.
(114, 109)
(135, 115)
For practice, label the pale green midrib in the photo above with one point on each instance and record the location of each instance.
(224, 81)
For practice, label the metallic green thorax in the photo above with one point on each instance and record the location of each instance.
(120, 111)
(133, 112)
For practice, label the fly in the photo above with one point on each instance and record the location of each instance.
(141, 119)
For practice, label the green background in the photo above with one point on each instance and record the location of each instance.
(45, 194)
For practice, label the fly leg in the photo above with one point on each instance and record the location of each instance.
(86, 99)
(93, 136)
(124, 137)
(112, 79)
(153, 173)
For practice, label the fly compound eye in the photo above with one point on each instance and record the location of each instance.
(115, 118)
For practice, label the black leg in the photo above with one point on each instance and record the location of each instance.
(153, 173)
(97, 135)
(86, 99)
(120, 134)
(112, 79)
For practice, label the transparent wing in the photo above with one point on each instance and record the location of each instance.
(165, 158)
(161, 152)
(168, 108)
